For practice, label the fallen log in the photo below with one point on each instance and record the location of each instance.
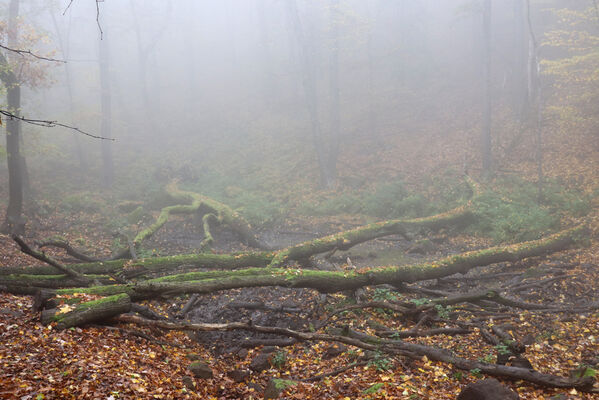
(342, 240)
(194, 202)
(336, 281)
(89, 312)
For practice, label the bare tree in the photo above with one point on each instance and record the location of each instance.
(306, 55)
(487, 155)
(106, 105)
(63, 42)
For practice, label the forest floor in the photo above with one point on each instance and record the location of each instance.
(38, 362)
(100, 362)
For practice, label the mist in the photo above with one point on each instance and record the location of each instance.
(299, 198)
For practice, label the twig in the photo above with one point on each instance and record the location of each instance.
(50, 124)
(394, 347)
(98, 19)
(68, 6)
(30, 53)
(334, 372)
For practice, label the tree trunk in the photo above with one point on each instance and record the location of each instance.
(487, 156)
(536, 100)
(106, 111)
(333, 142)
(14, 222)
(306, 55)
(520, 91)
(63, 42)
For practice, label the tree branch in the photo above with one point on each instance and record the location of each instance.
(29, 53)
(49, 124)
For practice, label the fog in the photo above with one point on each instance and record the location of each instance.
(203, 82)
(291, 188)
(290, 93)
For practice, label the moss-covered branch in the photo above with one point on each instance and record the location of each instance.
(88, 312)
(335, 281)
(194, 202)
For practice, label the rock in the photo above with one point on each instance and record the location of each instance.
(275, 387)
(239, 375)
(260, 363)
(242, 353)
(200, 369)
(192, 356)
(423, 246)
(257, 388)
(188, 382)
(487, 389)
(528, 340)
(503, 358)
(520, 362)
(268, 349)
(271, 391)
(334, 350)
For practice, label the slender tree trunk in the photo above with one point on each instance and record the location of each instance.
(142, 59)
(14, 222)
(487, 156)
(520, 91)
(309, 83)
(333, 148)
(106, 105)
(63, 43)
(536, 99)
(268, 87)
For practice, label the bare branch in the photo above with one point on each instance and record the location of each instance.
(68, 6)
(50, 124)
(30, 53)
(98, 19)
(48, 260)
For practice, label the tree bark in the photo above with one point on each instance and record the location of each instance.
(14, 222)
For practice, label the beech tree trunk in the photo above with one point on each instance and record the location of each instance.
(14, 222)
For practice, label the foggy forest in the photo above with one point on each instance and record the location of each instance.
(299, 199)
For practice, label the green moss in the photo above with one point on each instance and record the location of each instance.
(282, 384)
(95, 303)
(100, 290)
(136, 215)
(512, 212)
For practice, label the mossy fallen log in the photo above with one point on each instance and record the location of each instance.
(50, 281)
(154, 264)
(88, 312)
(194, 202)
(342, 241)
(336, 281)
(347, 239)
